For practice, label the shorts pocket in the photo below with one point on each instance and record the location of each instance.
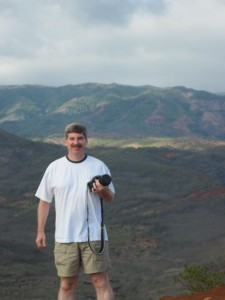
(60, 252)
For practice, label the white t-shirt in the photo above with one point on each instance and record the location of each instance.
(66, 182)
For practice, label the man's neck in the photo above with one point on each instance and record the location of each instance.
(76, 158)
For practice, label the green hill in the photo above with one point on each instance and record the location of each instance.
(112, 110)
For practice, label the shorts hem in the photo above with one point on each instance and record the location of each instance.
(106, 269)
(66, 275)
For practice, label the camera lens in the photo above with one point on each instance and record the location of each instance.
(105, 180)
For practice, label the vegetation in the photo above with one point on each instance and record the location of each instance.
(199, 278)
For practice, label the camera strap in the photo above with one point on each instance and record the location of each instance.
(101, 250)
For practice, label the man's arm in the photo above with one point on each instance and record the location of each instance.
(106, 194)
(42, 215)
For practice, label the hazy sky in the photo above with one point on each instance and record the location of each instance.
(136, 42)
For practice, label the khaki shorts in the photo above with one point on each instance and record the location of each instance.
(70, 257)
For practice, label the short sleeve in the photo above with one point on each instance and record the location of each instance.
(45, 190)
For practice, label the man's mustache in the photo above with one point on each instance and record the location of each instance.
(77, 146)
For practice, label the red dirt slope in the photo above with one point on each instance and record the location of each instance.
(214, 294)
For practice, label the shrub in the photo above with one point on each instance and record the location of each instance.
(198, 278)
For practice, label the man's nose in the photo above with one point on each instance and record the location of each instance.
(76, 142)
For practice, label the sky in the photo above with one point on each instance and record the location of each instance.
(162, 43)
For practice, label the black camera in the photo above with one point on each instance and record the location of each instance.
(104, 180)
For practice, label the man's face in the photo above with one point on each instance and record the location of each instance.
(75, 143)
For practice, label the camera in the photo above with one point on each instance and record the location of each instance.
(104, 180)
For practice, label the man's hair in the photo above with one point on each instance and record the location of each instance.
(77, 128)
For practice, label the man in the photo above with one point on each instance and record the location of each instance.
(78, 216)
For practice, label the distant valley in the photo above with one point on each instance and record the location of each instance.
(169, 210)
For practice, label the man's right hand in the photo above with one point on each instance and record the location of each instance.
(41, 240)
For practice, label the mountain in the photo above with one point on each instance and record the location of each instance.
(168, 211)
(112, 110)
(20, 165)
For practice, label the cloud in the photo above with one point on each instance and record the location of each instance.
(156, 42)
(117, 12)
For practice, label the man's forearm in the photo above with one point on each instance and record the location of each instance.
(106, 194)
(43, 211)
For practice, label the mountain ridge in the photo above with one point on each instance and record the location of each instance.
(113, 110)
